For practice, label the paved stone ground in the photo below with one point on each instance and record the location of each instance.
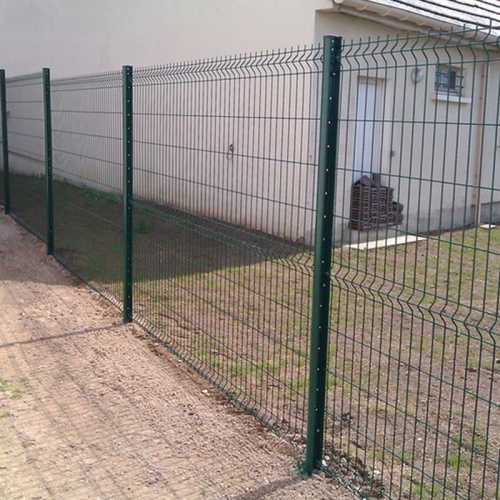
(91, 408)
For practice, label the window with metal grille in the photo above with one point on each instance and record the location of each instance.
(449, 81)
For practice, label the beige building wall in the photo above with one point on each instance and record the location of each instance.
(80, 37)
(25, 125)
(438, 153)
(75, 37)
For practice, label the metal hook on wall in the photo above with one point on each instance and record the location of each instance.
(230, 152)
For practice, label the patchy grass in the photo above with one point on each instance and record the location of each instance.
(14, 388)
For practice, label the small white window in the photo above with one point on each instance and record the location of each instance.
(449, 81)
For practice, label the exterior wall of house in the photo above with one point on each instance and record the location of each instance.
(228, 140)
(269, 190)
(331, 22)
(25, 124)
(88, 36)
(487, 151)
(77, 37)
(438, 154)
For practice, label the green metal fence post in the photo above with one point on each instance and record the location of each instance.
(5, 145)
(323, 251)
(127, 192)
(48, 161)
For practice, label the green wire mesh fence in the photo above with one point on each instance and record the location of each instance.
(222, 228)
(225, 154)
(4, 155)
(26, 154)
(87, 169)
(414, 401)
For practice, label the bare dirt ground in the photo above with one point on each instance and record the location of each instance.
(92, 408)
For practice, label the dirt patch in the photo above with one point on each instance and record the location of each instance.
(91, 408)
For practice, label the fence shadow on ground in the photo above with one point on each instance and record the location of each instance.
(168, 242)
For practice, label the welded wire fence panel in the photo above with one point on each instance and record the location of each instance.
(225, 170)
(2, 199)
(224, 181)
(87, 169)
(414, 400)
(26, 140)
(2, 187)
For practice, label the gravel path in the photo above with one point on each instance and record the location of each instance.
(92, 408)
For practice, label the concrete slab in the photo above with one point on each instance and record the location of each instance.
(387, 242)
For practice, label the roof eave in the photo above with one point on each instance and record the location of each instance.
(396, 17)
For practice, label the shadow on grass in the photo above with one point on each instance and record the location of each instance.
(27, 203)
(88, 235)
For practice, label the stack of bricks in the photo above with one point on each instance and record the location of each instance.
(373, 205)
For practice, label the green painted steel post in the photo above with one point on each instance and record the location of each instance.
(127, 91)
(323, 251)
(5, 143)
(49, 198)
